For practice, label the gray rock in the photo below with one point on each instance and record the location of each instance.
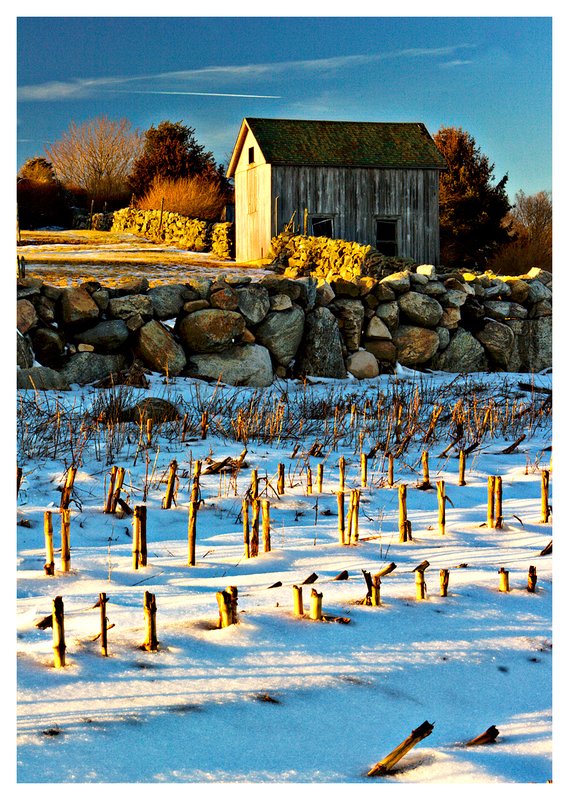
(210, 330)
(77, 308)
(280, 302)
(320, 353)
(307, 296)
(499, 290)
(532, 351)
(497, 309)
(24, 353)
(428, 270)
(136, 285)
(324, 293)
(464, 354)
(84, 368)
(129, 306)
(455, 298)
(519, 290)
(167, 300)
(101, 298)
(383, 351)
(420, 309)
(45, 309)
(350, 314)
(399, 282)
(48, 347)
(158, 349)
(106, 337)
(388, 313)
(281, 333)
(541, 309)
(537, 292)
(450, 318)
(26, 316)
(444, 338)
(415, 345)
(498, 341)
(41, 378)
(253, 302)
(240, 365)
(276, 284)
(362, 364)
(155, 408)
(418, 281)
(201, 287)
(435, 289)
(377, 329)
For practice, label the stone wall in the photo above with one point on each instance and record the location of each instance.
(176, 230)
(247, 332)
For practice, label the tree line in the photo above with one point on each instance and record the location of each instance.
(109, 165)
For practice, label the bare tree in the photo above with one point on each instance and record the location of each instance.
(531, 226)
(96, 156)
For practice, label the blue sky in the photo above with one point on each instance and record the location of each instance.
(489, 75)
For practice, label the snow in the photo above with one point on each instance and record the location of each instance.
(277, 698)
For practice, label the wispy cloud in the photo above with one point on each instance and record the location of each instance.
(227, 74)
(458, 62)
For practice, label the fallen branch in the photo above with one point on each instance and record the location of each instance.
(386, 765)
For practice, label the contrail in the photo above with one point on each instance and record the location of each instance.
(198, 94)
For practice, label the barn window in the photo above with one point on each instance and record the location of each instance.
(386, 236)
(251, 155)
(323, 226)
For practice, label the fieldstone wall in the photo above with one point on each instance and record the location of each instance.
(247, 332)
(176, 230)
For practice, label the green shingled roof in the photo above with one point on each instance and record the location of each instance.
(346, 144)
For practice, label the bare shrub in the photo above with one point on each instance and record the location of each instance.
(195, 197)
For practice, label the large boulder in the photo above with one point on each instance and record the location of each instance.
(419, 309)
(415, 345)
(240, 365)
(281, 333)
(320, 353)
(109, 336)
(377, 329)
(130, 305)
(350, 314)
(498, 341)
(464, 354)
(532, 351)
(382, 350)
(167, 300)
(253, 302)
(41, 378)
(77, 308)
(210, 330)
(49, 347)
(84, 368)
(158, 349)
(362, 364)
(26, 316)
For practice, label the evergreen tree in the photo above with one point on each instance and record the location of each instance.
(170, 151)
(471, 207)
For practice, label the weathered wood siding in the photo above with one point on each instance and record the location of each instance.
(252, 204)
(356, 197)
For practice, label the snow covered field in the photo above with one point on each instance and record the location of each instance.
(276, 697)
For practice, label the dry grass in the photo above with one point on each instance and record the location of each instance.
(196, 198)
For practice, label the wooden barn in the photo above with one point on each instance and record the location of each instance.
(370, 182)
